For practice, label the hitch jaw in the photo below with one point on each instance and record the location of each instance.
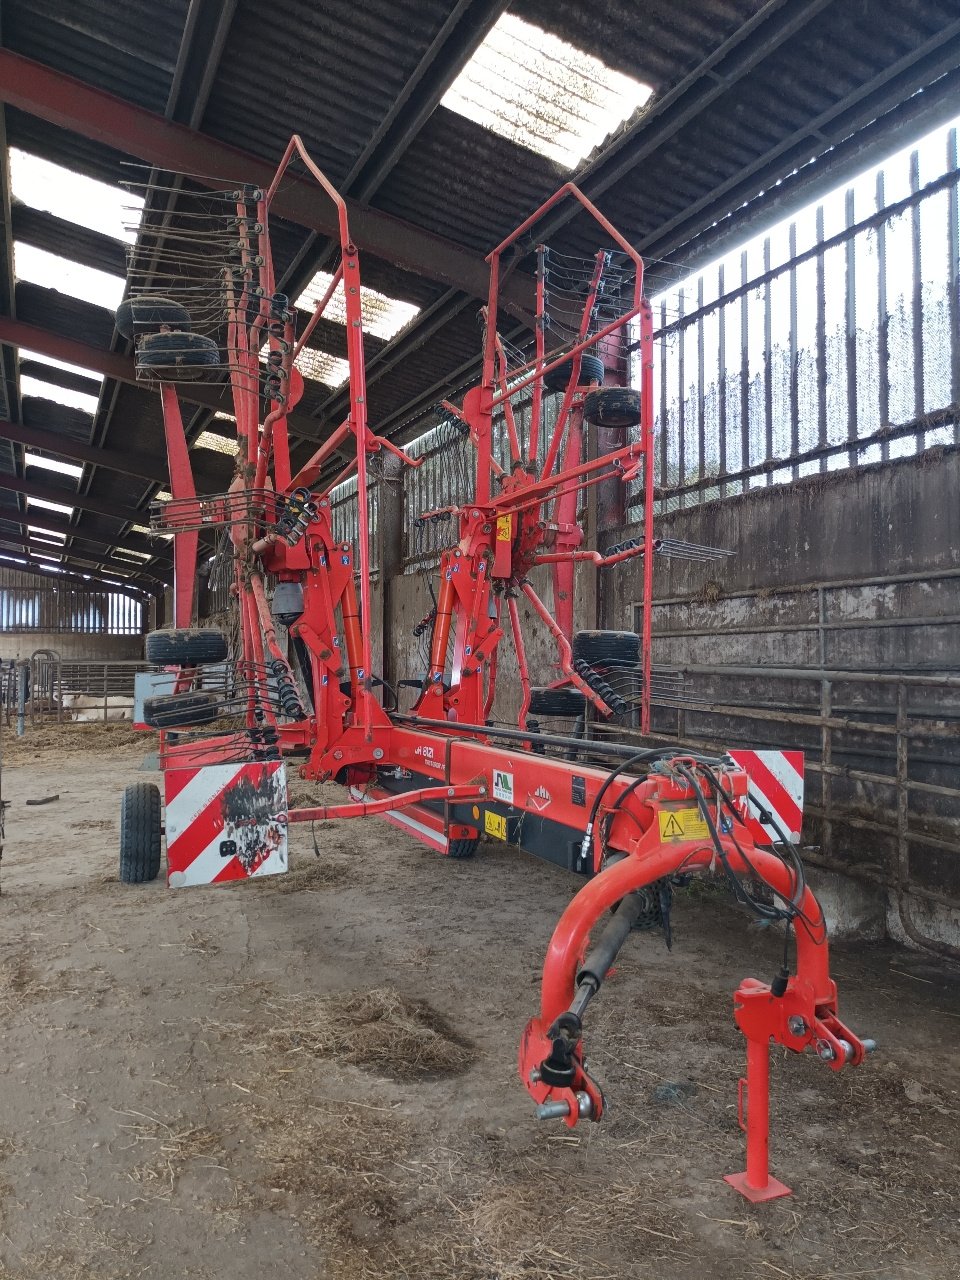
(551, 1067)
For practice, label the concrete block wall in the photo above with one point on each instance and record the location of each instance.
(88, 647)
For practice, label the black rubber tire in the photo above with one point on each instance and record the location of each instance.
(602, 648)
(180, 710)
(179, 647)
(137, 316)
(140, 833)
(177, 355)
(591, 370)
(616, 408)
(566, 703)
(463, 848)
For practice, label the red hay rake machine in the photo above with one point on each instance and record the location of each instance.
(236, 709)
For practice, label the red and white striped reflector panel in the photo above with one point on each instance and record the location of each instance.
(225, 822)
(775, 781)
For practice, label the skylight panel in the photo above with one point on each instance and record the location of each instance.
(323, 367)
(72, 196)
(72, 278)
(27, 354)
(162, 495)
(126, 554)
(535, 89)
(59, 395)
(43, 505)
(218, 444)
(53, 464)
(40, 532)
(382, 316)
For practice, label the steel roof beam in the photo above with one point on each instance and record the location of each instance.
(72, 104)
(128, 462)
(92, 549)
(58, 377)
(88, 559)
(121, 368)
(97, 540)
(68, 239)
(79, 501)
(136, 586)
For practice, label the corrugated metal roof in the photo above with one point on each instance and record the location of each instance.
(336, 72)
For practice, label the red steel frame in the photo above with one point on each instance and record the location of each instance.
(445, 747)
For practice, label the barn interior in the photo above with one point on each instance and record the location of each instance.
(317, 1072)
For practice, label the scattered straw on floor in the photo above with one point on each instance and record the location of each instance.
(381, 1030)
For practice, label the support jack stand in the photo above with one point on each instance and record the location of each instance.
(755, 1183)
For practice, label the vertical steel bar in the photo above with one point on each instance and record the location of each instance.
(883, 321)
(794, 354)
(722, 379)
(681, 398)
(917, 318)
(701, 396)
(850, 323)
(744, 374)
(821, 343)
(953, 278)
(767, 363)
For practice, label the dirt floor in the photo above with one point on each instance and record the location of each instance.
(314, 1076)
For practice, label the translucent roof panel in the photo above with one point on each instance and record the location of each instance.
(59, 395)
(77, 281)
(323, 367)
(53, 464)
(219, 444)
(71, 196)
(43, 505)
(382, 317)
(40, 532)
(538, 91)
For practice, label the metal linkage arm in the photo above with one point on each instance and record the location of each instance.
(798, 1011)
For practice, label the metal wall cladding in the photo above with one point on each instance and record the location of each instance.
(130, 49)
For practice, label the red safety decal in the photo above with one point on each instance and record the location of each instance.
(775, 781)
(225, 822)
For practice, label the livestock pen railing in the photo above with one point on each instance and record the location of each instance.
(882, 760)
(106, 687)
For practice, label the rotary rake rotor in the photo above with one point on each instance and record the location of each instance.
(551, 422)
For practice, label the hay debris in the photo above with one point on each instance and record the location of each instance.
(381, 1030)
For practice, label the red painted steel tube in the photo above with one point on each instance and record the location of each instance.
(352, 636)
(536, 408)
(307, 475)
(186, 544)
(633, 872)
(370, 808)
(524, 670)
(441, 630)
(758, 1115)
(266, 621)
(508, 415)
(319, 310)
(594, 557)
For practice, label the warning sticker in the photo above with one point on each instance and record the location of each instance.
(504, 528)
(503, 786)
(495, 825)
(682, 824)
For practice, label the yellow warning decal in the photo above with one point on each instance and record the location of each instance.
(504, 528)
(682, 824)
(495, 825)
